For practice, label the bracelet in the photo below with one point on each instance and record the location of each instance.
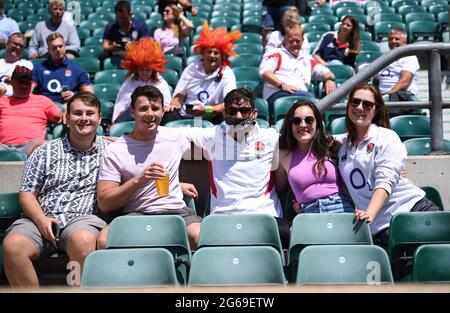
(280, 86)
(330, 78)
(209, 109)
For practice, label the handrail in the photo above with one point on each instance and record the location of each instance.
(434, 51)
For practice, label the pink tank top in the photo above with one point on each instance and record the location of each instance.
(305, 184)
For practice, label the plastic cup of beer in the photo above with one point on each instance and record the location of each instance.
(162, 185)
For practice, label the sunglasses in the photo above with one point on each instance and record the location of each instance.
(367, 105)
(309, 120)
(234, 111)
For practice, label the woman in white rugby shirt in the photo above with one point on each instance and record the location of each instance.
(370, 161)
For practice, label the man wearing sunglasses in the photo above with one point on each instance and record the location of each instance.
(14, 49)
(242, 159)
(288, 71)
(399, 80)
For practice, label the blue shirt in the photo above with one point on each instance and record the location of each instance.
(50, 78)
(329, 50)
(138, 30)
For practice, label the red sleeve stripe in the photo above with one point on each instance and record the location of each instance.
(270, 183)
(313, 63)
(276, 55)
(211, 180)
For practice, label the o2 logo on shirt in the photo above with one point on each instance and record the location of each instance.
(54, 85)
(358, 180)
(203, 97)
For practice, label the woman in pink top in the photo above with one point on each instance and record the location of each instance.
(307, 163)
(175, 28)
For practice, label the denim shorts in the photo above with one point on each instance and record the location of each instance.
(336, 203)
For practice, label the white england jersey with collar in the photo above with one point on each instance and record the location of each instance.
(376, 163)
(241, 177)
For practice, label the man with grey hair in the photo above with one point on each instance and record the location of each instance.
(38, 44)
(8, 26)
(14, 49)
(399, 79)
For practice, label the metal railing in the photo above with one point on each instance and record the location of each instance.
(435, 104)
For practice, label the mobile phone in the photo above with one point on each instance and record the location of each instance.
(56, 230)
(189, 106)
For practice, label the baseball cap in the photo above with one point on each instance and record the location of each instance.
(21, 72)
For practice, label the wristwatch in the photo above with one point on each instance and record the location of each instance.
(280, 86)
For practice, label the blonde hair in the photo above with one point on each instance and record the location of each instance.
(176, 26)
(290, 17)
(53, 36)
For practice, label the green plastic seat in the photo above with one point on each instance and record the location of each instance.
(369, 46)
(367, 56)
(250, 38)
(382, 29)
(409, 230)
(240, 230)
(410, 126)
(94, 41)
(121, 128)
(58, 130)
(171, 77)
(325, 229)
(337, 126)
(107, 109)
(263, 108)
(236, 266)
(147, 231)
(423, 30)
(343, 264)
(422, 146)
(89, 64)
(12, 155)
(405, 9)
(432, 264)
(192, 59)
(113, 63)
(106, 91)
(246, 73)
(323, 18)
(316, 27)
(190, 123)
(91, 51)
(226, 22)
(249, 48)
(252, 60)
(418, 16)
(110, 76)
(341, 71)
(282, 105)
(174, 63)
(388, 17)
(10, 210)
(433, 195)
(314, 36)
(128, 268)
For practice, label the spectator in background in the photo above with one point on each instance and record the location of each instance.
(287, 71)
(38, 43)
(120, 33)
(144, 61)
(290, 19)
(58, 192)
(24, 116)
(8, 26)
(58, 77)
(308, 164)
(399, 79)
(340, 47)
(204, 84)
(176, 27)
(184, 5)
(370, 161)
(14, 50)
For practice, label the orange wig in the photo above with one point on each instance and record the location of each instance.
(218, 38)
(144, 53)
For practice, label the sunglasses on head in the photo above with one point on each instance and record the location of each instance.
(234, 111)
(367, 105)
(309, 120)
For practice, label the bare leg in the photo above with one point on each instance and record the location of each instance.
(19, 253)
(102, 237)
(79, 245)
(193, 232)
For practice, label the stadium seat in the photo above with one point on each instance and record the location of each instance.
(341, 71)
(58, 130)
(236, 266)
(431, 264)
(12, 155)
(192, 59)
(418, 16)
(282, 105)
(369, 46)
(249, 48)
(405, 9)
(226, 22)
(10, 210)
(343, 264)
(323, 18)
(250, 38)
(171, 77)
(174, 63)
(422, 30)
(433, 195)
(279, 125)
(106, 91)
(240, 230)
(246, 73)
(128, 268)
(246, 60)
(367, 56)
(119, 129)
(314, 36)
(408, 231)
(94, 41)
(381, 29)
(89, 64)
(337, 126)
(110, 76)
(389, 17)
(91, 51)
(316, 27)
(325, 229)
(190, 123)
(148, 231)
(263, 108)
(410, 126)
(113, 63)
(107, 109)
(422, 146)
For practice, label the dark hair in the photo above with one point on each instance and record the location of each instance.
(122, 5)
(381, 117)
(87, 97)
(319, 145)
(149, 92)
(239, 94)
(16, 34)
(1, 4)
(354, 42)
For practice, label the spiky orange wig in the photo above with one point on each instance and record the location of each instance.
(218, 38)
(144, 53)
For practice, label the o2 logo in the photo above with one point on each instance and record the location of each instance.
(358, 180)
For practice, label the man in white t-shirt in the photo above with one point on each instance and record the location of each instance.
(399, 79)
(133, 163)
(14, 49)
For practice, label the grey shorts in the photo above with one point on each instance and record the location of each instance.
(188, 214)
(27, 228)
